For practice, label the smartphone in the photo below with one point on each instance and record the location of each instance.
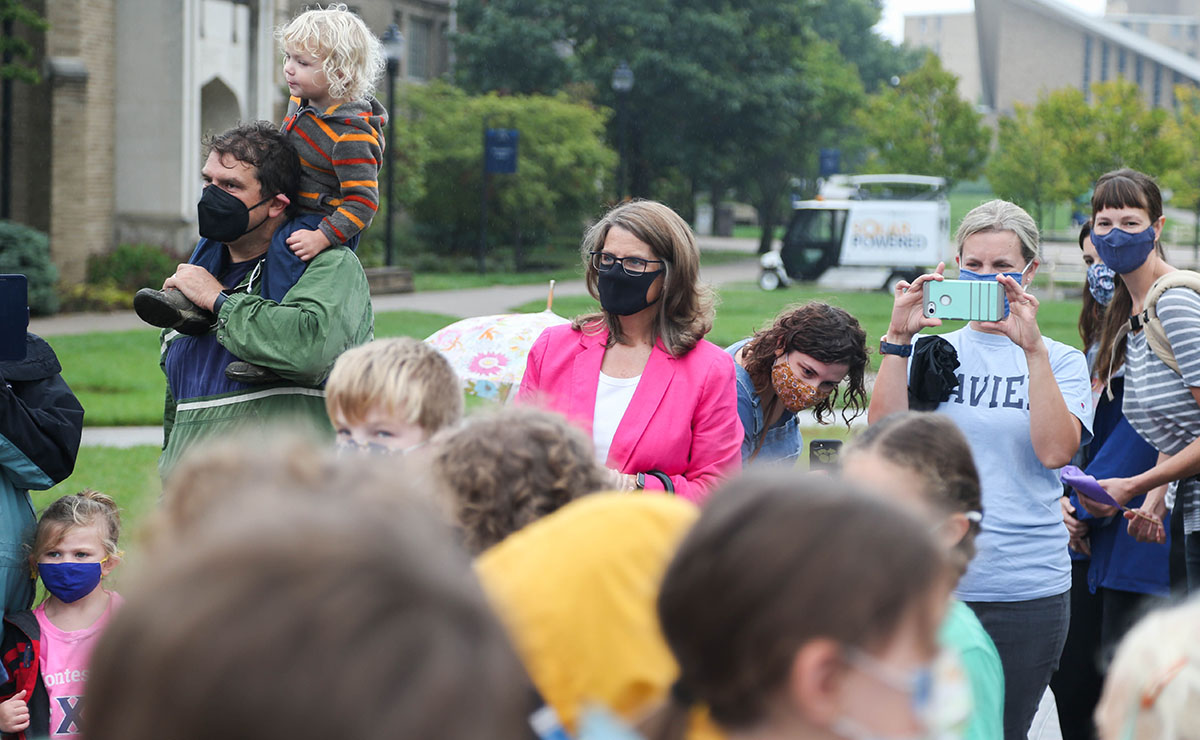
(14, 316)
(964, 300)
(823, 454)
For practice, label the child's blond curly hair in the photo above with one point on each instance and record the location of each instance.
(351, 57)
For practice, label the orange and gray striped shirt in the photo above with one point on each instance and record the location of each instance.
(341, 149)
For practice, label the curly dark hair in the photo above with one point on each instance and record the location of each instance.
(261, 145)
(505, 470)
(827, 334)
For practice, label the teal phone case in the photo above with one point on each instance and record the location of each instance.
(964, 300)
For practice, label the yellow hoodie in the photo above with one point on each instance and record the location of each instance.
(577, 591)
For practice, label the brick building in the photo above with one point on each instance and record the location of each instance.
(106, 149)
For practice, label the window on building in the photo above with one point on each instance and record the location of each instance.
(923, 25)
(1103, 61)
(1121, 61)
(420, 36)
(1156, 99)
(1137, 70)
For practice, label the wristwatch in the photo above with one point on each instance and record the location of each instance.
(900, 350)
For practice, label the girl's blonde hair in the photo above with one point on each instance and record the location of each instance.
(351, 57)
(82, 509)
(1153, 684)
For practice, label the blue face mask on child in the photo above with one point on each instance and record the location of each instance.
(70, 582)
(965, 274)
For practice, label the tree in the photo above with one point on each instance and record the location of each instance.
(1027, 165)
(1115, 129)
(850, 26)
(1183, 135)
(714, 82)
(563, 164)
(922, 127)
(808, 110)
(17, 53)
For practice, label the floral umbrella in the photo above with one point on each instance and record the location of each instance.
(489, 352)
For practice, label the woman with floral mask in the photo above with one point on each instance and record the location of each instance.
(795, 364)
(1024, 403)
(658, 401)
(1162, 404)
(1114, 578)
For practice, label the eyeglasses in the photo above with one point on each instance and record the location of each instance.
(603, 262)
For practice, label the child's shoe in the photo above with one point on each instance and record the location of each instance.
(249, 373)
(171, 309)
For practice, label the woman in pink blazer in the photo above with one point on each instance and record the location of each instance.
(659, 402)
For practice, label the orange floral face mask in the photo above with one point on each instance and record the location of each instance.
(794, 393)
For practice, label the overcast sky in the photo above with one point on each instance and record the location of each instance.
(892, 23)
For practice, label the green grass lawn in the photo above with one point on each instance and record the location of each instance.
(118, 381)
(117, 378)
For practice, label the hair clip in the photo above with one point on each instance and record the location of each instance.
(1150, 695)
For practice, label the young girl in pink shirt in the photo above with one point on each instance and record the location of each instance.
(45, 651)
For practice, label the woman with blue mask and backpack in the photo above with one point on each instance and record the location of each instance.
(1024, 403)
(1114, 578)
(1154, 331)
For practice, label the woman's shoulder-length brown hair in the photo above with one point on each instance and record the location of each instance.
(685, 306)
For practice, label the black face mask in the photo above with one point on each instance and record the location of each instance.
(624, 294)
(223, 217)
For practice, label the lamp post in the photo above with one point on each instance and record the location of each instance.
(622, 83)
(393, 50)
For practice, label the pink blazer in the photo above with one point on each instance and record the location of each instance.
(682, 419)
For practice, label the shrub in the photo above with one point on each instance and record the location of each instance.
(563, 165)
(26, 251)
(132, 267)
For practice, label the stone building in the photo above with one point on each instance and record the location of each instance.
(1024, 48)
(107, 148)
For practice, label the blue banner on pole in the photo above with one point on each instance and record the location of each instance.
(830, 162)
(500, 151)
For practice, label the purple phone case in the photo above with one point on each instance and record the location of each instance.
(1086, 485)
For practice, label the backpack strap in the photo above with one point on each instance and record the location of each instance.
(1156, 336)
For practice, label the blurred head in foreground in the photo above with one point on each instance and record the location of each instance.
(802, 608)
(506, 469)
(1153, 686)
(922, 461)
(328, 605)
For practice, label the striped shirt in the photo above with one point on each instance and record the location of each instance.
(340, 150)
(1158, 401)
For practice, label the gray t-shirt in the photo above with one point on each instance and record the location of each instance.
(1158, 401)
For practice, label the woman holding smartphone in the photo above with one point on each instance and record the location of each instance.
(1024, 403)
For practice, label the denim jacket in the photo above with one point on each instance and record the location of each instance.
(781, 442)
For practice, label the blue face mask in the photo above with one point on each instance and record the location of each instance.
(965, 274)
(1122, 251)
(70, 582)
(1101, 280)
